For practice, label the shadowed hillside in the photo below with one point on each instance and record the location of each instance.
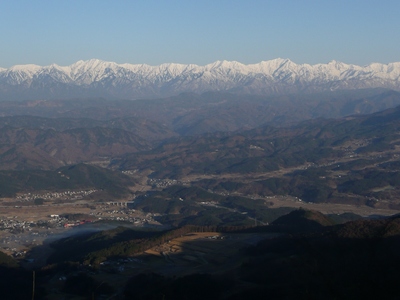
(74, 177)
(348, 261)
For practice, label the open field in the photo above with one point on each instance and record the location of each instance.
(42, 212)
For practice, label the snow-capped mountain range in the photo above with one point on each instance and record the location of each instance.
(95, 78)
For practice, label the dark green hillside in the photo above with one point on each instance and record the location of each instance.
(15, 283)
(355, 182)
(7, 261)
(247, 152)
(267, 149)
(359, 259)
(120, 242)
(191, 114)
(195, 286)
(343, 218)
(193, 193)
(24, 148)
(319, 160)
(79, 176)
(370, 229)
(114, 241)
(145, 129)
(34, 140)
(352, 261)
(182, 205)
(112, 182)
(363, 182)
(303, 220)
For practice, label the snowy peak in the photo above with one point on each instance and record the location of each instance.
(277, 76)
(19, 74)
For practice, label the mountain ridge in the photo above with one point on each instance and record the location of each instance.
(132, 81)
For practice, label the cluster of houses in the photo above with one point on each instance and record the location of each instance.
(14, 225)
(130, 172)
(20, 233)
(72, 195)
(163, 183)
(125, 215)
(17, 233)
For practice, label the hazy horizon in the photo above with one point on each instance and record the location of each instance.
(155, 32)
(202, 65)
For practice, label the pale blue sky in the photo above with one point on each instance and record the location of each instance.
(199, 31)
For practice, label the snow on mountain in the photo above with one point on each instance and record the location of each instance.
(18, 74)
(100, 78)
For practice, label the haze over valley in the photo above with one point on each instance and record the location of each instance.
(218, 150)
(218, 162)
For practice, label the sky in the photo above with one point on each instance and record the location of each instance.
(153, 32)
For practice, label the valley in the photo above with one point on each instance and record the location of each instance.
(101, 193)
(202, 150)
